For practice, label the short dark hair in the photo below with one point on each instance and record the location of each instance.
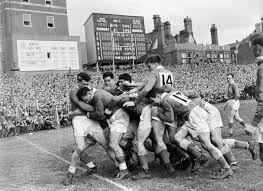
(83, 76)
(230, 74)
(125, 77)
(153, 93)
(152, 59)
(82, 92)
(108, 74)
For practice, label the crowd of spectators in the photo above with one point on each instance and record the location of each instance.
(30, 101)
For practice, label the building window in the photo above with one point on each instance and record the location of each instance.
(48, 2)
(27, 20)
(25, 1)
(50, 22)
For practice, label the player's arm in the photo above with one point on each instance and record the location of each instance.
(236, 92)
(167, 112)
(148, 86)
(82, 105)
(98, 113)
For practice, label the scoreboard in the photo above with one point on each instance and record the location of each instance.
(117, 37)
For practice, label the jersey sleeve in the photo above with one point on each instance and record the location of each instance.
(147, 86)
(167, 113)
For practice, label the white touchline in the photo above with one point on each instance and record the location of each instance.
(95, 175)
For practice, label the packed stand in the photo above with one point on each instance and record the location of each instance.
(36, 101)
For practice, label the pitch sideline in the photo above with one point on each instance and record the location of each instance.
(95, 175)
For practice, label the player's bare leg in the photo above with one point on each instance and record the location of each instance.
(161, 149)
(114, 144)
(180, 138)
(75, 159)
(143, 132)
(236, 144)
(216, 138)
(231, 122)
(204, 138)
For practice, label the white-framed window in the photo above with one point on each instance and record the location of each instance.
(25, 1)
(27, 20)
(48, 2)
(50, 22)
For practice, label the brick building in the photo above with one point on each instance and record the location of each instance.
(183, 48)
(34, 35)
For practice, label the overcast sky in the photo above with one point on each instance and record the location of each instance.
(234, 19)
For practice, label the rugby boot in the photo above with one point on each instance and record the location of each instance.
(185, 163)
(252, 150)
(123, 174)
(225, 173)
(91, 170)
(68, 179)
(143, 174)
(169, 169)
(196, 164)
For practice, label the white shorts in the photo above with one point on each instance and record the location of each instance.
(119, 121)
(165, 123)
(214, 116)
(233, 104)
(145, 119)
(198, 122)
(82, 126)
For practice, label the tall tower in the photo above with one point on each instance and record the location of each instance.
(188, 25)
(214, 35)
(156, 21)
(167, 29)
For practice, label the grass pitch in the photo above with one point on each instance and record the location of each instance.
(37, 167)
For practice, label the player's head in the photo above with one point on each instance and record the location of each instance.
(83, 79)
(85, 94)
(125, 77)
(108, 78)
(230, 77)
(152, 61)
(155, 96)
(256, 40)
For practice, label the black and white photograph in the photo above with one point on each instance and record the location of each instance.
(126, 95)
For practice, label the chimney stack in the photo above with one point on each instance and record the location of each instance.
(214, 35)
(156, 21)
(188, 25)
(161, 36)
(167, 29)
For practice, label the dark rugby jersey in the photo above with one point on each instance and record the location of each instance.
(233, 91)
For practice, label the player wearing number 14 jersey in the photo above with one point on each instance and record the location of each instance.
(158, 77)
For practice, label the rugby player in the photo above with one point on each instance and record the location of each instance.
(174, 105)
(257, 123)
(86, 131)
(233, 103)
(118, 122)
(158, 77)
